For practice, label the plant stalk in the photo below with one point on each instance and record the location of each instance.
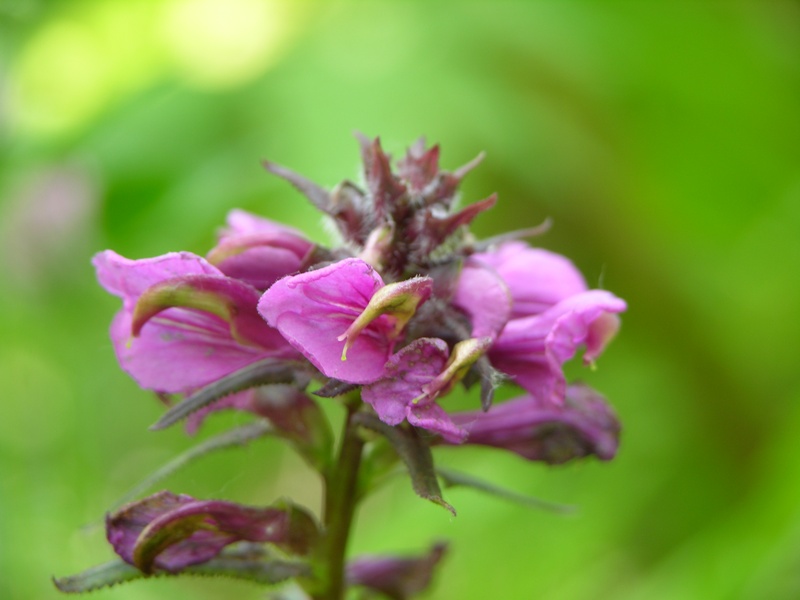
(339, 509)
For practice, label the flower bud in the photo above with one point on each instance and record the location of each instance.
(170, 532)
(396, 576)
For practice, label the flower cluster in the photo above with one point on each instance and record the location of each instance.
(408, 306)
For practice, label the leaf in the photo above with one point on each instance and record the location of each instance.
(259, 373)
(248, 562)
(416, 455)
(455, 479)
(105, 575)
(240, 436)
(333, 388)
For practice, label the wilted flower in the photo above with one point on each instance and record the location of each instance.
(398, 577)
(170, 532)
(584, 424)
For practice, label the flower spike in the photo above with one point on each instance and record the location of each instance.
(386, 324)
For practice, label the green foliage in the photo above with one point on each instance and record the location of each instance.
(246, 562)
(661, 138)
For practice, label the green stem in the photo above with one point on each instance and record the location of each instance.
(340, 505)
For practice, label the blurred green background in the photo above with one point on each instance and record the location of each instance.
(663, 139)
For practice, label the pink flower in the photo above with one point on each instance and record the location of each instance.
(193, 326)
(537, 279)
(258, 251)
(533, 349)
(342, 317)
(552, 315)
(170, 532)
(485, 297)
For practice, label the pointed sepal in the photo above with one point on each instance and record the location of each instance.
(415, 453)
(385, 189)
(318, 195)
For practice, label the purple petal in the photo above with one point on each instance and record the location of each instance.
(128, 278)
(171, 532)
(229, 299)
(180, 350)
(433, 418)
(258, 251)
(407, 374)
(485, 297)
(532, 349)
(312, 310)
(258, 265)
(398, 577)
(601, 332)
(538, 279)
(241, 222)
(547, 431)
